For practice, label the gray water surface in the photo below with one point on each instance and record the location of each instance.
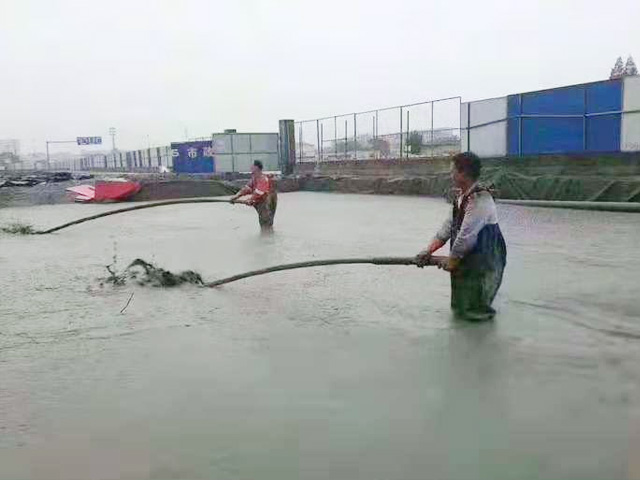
(347, 372)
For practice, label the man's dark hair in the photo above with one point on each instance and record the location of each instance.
(258, 164)
(468, 164)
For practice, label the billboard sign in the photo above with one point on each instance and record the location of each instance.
(193, 157)
(89, 140)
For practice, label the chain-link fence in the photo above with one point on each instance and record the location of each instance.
(425, 129)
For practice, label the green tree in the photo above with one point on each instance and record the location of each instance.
(381, 146)
(414, 143)
(630, 68)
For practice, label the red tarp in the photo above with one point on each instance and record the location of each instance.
(105, 191)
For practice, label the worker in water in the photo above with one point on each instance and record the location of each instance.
(478, 253)
(263, 196)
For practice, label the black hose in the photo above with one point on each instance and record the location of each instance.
(130, 209)
(318, 263)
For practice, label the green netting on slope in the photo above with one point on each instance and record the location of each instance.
(512, 185)
(508, 183)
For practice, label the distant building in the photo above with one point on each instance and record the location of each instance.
(9, 154)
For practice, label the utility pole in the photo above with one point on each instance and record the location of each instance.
(112, 132)
(56, 141)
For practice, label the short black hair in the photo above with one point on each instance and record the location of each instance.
(468, 164)
(258, 164)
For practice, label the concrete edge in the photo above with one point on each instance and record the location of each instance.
(578, 205)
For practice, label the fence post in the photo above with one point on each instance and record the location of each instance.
(322, 142)
(376, 132)
(317, 140)
(355, 137)
(286, 147)
(401, 133)
(433, 147)
(300, 137)
(335, 136)
(408, 135)
(345, 139)
(373, 131)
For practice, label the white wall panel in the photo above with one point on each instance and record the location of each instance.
(485, 111)
(464, 117)
(631, 99)
(488, 140)
(631, 132)
(224, 163)
(631, 121)
(464, 125)
(464, 144)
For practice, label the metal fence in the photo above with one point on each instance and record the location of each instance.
(144, 160)
(233, 152)
(424, 129)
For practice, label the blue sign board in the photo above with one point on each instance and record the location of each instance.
(89, 140)
(193, 157)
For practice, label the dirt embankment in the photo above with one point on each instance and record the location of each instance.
(603, 178)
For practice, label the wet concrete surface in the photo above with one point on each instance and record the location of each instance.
(334, 372)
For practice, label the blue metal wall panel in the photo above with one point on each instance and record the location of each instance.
(563, 101)
(603, 133)
(552, 135)
(604, 97)
(513, 136)
(536, 124)
(513, 125)
(513, 105)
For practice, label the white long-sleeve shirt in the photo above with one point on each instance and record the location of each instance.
(480, 211)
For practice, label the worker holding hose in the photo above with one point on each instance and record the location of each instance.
(478, 252)
(261, 193)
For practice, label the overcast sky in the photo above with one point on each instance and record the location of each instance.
(155, 68)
